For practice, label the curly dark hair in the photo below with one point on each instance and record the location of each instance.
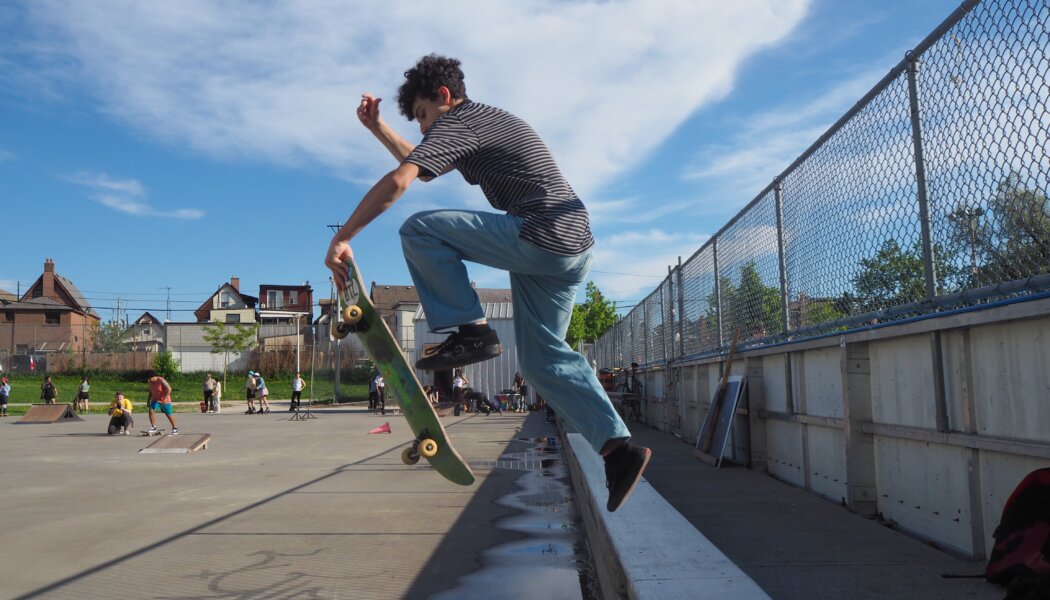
(423, 80)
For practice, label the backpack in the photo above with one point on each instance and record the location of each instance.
(1022, 539)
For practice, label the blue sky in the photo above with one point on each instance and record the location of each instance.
(154, 150)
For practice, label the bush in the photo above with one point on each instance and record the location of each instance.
(165, 364)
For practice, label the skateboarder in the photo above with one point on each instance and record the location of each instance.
(261, 394)
(160, 399)
(543, 240)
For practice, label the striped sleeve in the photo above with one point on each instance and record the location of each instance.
(447, 141)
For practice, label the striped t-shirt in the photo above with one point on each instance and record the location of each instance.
(501, 153)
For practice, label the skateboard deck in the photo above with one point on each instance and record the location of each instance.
(355, 314)
(148, 433)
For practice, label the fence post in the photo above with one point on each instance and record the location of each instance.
(663, 318)
(920, 176)
(718, 293)
(928, 259)
(785, 321)
(681, 312)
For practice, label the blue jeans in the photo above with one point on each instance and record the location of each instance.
(543, 290)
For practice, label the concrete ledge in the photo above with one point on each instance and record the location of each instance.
(647, 549)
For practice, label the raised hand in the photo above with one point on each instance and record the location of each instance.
(368, 111)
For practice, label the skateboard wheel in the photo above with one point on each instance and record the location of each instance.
(428, 447)
(340, 331)
(352, 314)
(409, 457)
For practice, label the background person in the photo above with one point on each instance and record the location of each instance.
(120, 421)
(298, 384)
(81, 403)
(208, 389)
(5, 395)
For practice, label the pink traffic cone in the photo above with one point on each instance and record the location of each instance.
(384, 428)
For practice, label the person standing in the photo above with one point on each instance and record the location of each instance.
(249, 393)
(120, 421)
(261, 393)
(217, 396)
(5, 395)
(459, 386)
(160, 399)
(541, 237)
(298, 384)
(522, 389)
(83, 395)
(48, 391)
(208, 389)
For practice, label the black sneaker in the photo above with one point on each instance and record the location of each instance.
(459, 349)
(623, 469)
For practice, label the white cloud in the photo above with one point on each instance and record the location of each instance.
(628, 266)
(768, 142)
(123, 196)
(603, 82)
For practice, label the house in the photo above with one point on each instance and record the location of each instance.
(285, 314)
(228, 305)
(145, 334)
(52, 316)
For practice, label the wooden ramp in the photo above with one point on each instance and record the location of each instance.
(178, 444)
(49, 413)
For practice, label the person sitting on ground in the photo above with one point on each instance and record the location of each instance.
(120, 421)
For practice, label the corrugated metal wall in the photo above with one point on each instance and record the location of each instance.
(491, 376)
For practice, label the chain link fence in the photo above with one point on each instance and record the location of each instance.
(929, 195)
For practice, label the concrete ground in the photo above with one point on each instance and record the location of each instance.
(796, 545)
(280, 509)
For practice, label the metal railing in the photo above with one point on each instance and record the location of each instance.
(929, 194)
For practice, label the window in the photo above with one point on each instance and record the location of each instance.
(233, 318)
(9, 316)
(274, 299)
(52, 318)
(293, 298)
(224, 299)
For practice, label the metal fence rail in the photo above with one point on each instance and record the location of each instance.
(929, 194)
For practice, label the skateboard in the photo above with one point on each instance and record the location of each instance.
(148, 433)
(354, 313)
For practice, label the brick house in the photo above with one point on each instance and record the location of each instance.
(285, 312)
(52, 316)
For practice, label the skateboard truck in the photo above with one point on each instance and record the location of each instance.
(421, 446)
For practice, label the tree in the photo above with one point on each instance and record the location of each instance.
(592, 318)
(165, 364)
(895, 276)
(752, 307)
(224, 341)
(1008, 240)
(108, 337)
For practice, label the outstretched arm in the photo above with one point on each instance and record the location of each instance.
(378, 199)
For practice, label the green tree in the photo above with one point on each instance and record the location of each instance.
(165, 364)
(224, 341)
(897, 276)
(752, 307)
(1010, 239)
(108, 337)
(592, 318)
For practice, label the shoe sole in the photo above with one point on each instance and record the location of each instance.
(641, 470)
(444, 366)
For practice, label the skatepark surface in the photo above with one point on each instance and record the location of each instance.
(319, 508)
(278, 509)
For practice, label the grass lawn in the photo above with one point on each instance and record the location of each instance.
(185, 388)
